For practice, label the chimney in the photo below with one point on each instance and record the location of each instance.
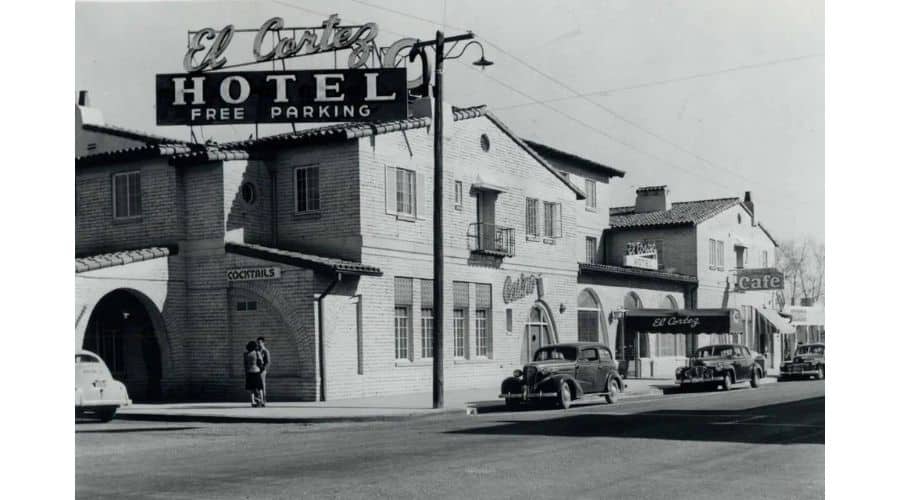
(652, 199)
(748, 202)
(83, 98)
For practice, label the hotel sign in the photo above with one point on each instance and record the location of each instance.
(349, 95)
(641, 254)
(253, 274)
(758, 279)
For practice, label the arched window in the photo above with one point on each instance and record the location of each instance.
(591, 327)
(633, 301)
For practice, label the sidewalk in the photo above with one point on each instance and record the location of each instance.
(371, 409)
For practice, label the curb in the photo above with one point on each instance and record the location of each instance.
(226, 419)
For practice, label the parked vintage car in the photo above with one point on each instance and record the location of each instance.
(808, 360)
(561, 373)
(724, 365)
(97, 393)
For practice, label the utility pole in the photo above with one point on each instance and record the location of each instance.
(437, 337)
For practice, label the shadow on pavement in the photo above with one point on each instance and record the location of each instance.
(132, 429)
(797, 422)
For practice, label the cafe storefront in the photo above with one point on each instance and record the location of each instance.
(700, 326)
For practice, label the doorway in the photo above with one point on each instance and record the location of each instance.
(539, 330)
(121, 332)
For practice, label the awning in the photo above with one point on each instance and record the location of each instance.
(487, 182)
(806, 316)
(780, 324)
(683, 321)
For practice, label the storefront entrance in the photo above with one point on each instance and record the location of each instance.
(539, 330)
(121, 332)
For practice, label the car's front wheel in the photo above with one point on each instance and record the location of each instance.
(726, 382)
(106, 414)
(512, 403)
(820, 373)
(612, 392)
(565, 396)
(754, 379)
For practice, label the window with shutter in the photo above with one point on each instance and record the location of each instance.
(712, 253)
(590, 188)
(532, 217)
(557, 220)
(390, 190)
(419, 188)
(720, 254)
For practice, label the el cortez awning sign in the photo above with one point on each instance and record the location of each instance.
(338, 95)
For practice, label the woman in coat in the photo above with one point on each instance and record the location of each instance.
(253, 375)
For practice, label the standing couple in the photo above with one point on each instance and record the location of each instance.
(256, 364)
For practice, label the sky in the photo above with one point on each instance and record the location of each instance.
(708, 97)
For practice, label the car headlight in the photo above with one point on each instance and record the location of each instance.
(517, 373)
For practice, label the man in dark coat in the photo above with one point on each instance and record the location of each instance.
(265, 359)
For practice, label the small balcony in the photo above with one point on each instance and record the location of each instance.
(491, 239)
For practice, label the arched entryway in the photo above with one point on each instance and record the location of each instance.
(625, 341)
(123, 330)
(539, 329)
(591, 318)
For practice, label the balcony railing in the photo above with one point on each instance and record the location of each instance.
(492, 239)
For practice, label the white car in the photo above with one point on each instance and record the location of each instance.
(97, 393)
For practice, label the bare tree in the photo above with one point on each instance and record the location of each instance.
(803, 265)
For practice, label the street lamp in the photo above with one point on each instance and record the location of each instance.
(437, 338)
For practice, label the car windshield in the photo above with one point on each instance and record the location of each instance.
(548, 353)
(810, 349)
(714, 351)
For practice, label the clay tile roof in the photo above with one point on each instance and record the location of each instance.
(101, 261)
(135, 135)
(633, 271)
(135, 153)
(685, 212)
(301, 259)
(650, 188)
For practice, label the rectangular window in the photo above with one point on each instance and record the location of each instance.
(590, 188)
(483, 338)
(458, 195)
(306, 189)
(127, 195)
(712, 253)
(427, 331)
(459, 333)
(739, 257)
(552, 220)
(481, 333)
(402, 328)
(590, 250)
(460, 319)
(401, 332)
(532, 217)
(406, 192)
(720, 255)
(765, 258)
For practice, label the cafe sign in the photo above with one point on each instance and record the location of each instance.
(253, 274)
(524, 285)
(758, 279)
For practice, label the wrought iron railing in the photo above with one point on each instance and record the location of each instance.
(492, 239)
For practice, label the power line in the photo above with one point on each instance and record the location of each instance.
(611, 112)
(563, 85)
(694, 76)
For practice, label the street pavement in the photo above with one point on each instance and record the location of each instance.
(746, 443)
